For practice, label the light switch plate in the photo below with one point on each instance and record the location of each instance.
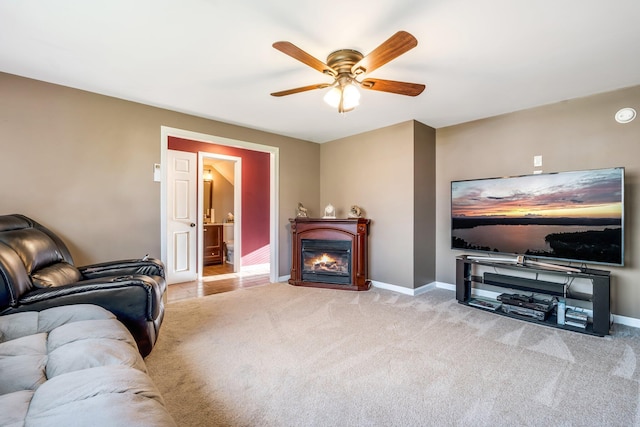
(156, 172)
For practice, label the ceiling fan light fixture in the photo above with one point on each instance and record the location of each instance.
(332, 97)
(343, 97)
(350, 97)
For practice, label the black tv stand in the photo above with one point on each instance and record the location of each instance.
(555, 287)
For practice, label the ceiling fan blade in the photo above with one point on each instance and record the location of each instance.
(393, 47)
(300, 89)
(296, 53)
(401, 88)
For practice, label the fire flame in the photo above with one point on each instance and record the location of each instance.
(326, 263)
(323, 259)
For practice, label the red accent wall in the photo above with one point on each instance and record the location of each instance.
(255, 189)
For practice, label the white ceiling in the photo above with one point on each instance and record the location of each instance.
(213, 58)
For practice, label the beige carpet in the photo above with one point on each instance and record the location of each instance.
(279, 355)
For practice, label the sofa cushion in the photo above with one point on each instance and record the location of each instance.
(58, 274)
(87, 344)
(18, 325)
(22, 363)
(34, 247)
(17, 405)
(74, 365)
(100, 396)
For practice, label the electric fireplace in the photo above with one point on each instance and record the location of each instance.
(330, 253)
(326, 261)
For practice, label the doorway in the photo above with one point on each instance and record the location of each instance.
(273, 196)
(219, 202)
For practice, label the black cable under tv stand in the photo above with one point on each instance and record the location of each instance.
(554, 286)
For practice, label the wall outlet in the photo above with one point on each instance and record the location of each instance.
(537, 161)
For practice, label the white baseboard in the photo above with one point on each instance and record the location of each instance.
(447, 286)
(627, 321)
(284, 279)
(402, 290)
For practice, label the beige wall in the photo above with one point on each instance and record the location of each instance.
(81, 164)
(424, 205)
(571, 135)
(375, 170)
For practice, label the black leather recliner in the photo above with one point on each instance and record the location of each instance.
(37, 272)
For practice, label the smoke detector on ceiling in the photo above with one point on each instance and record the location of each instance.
(625, 115)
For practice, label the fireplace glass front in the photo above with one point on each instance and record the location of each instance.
(326, 261)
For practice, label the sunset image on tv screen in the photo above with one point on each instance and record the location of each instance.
(568, 215)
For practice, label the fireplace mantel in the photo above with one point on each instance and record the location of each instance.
(354, 230)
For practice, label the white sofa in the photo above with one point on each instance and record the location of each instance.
(74, 365)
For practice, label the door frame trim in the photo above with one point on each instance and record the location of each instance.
(274, 173)
(237, 201)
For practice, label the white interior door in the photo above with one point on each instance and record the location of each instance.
(181, 216)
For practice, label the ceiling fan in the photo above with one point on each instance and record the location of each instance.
(348, 68)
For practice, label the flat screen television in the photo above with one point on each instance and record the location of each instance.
(575, 216)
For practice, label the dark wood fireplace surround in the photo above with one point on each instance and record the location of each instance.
(355, 230)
